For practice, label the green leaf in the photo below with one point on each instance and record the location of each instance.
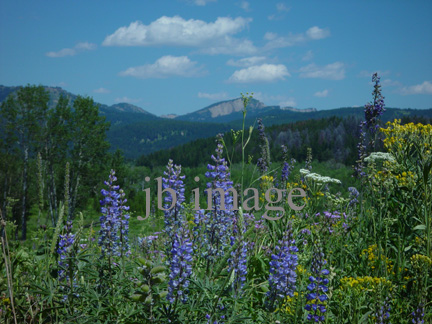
(420, 227)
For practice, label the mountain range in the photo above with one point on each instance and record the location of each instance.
(138, 132)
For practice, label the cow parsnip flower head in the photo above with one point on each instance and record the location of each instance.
(380, 156)
(321, 179)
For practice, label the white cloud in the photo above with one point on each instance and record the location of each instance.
(212, 37)
(101, 90)
(271, 100)
(260, 73)
(424, 88)
(308, 56)
(231, 46)
(321, 94)
(317, 33)
(281, 7)
(390, 83)
(247, 61)
(80, 47)
(288, 103)
(368, 74)
(276, 41)
(164, 67)
(245, 5)
(213, 96)
(202, 2)
(127, 99)
(334, 71)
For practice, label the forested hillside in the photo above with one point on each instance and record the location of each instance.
(331, 138)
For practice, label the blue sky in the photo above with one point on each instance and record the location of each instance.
(179, 56)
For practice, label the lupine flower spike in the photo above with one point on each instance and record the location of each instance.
(317, 287)
(113, 235)
(283, 270)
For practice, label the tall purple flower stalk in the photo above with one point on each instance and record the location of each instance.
(215, 223)
(287, 167)
(369, 127)
(283, 270)
(174, 181)
(264, 161)
(113, 235)
(373, 111)
(354, 194)
(382, 315)
(65, 250)
(180, 266)
(317, 287)
(238, 260)
(418, 315)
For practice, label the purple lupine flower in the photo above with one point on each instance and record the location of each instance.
(238, 260)
(418, 315)
(283, 266)
(215, 223)
(373, 112)
(383, 313)
(174, 181)
(148, 244)
(328, 220)
(113, 235)
(65, 250)
(317, 287)
(287, 167)
(264, 161)
(353, 196)
(180, 265)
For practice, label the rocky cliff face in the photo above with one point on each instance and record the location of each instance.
(229, 107)
(305, 110)
(219, 110)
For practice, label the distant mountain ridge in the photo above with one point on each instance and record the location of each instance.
(138, 132)
(56, 92)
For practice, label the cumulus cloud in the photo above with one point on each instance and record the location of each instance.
(313, 33)
(334, 71)
(247, 61)
(321, 94)
(202, 2)
(424, 88)
(281, 9)
(212, 37)
(317, 33)
(280, 100)
(390, 83)
(164, 67)
(245, 5)
(126, 99)
(101, 90)
(231, 46)
(213, 96)
(260, 73)
(368, 74)
(290, 102)
(80, 47)
(308, 56)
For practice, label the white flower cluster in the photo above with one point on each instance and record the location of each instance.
(380, 156)
(304, 172)
(318, 178)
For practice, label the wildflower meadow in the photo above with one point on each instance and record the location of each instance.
(342, 253)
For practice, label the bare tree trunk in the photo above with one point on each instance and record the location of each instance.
(24, 193)
(74, 199)
(53, 197)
